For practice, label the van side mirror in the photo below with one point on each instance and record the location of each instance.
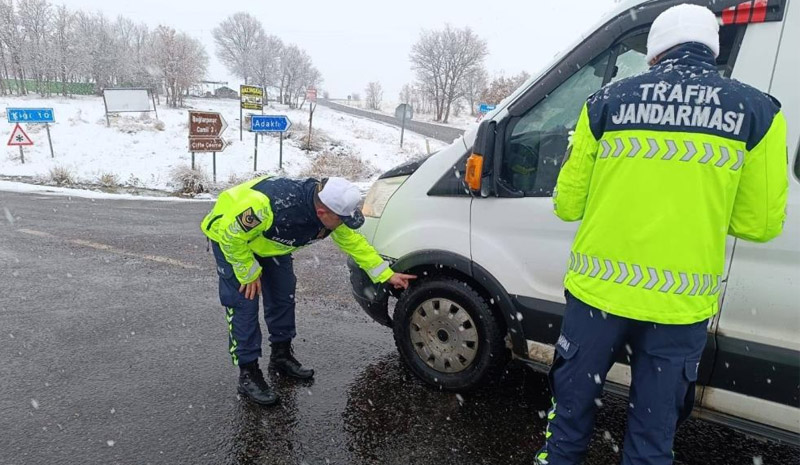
(479, 164)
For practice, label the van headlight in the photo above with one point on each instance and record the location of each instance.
(379, 195)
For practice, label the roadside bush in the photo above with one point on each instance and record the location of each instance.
(108, 180)
(339, 164)
(61, 176)
(188, 181)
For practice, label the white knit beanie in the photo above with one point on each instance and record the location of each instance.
(682, 24)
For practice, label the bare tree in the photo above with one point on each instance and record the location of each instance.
(474, 86)
(501, 87)
(442, 60)
(98, 59)
(309, 78)
(374, 93)
(12, 37)
(64, 54)
(407, 93)
(238, 38)
(181, 60)
(35, 19)
(292, 62)
(266, 62)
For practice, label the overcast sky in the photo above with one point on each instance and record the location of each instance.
(353, 42)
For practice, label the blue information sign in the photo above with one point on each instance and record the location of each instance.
(31, 115)
(486, 108)
(270, 123)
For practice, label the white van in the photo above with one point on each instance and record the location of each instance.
(491, 266)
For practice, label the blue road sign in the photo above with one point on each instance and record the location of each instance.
(31, 115)
(486, 108)
(270, 123)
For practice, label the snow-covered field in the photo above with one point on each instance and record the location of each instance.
(141, 152)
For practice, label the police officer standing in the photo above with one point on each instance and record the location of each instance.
(254, 228)
(661, 167)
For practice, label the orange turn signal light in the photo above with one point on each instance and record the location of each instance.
(474, 174)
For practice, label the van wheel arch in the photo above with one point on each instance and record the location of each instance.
(429, 264)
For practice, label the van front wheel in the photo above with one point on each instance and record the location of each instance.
(447, 334)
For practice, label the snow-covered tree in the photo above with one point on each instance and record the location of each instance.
(442, 60)
(374, 95)
(266, 62)
(238, 38)
(181, 61)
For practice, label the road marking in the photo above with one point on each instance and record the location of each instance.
(35, 233)
(111, 249)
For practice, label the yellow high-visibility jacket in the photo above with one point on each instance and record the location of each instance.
(270, 217)
(661, 168)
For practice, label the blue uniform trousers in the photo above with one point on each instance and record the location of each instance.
(278, 284)
(664, 361)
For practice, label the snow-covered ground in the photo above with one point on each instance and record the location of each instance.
(142, 153)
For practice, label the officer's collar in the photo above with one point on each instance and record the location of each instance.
(312, 189)
(691, 54)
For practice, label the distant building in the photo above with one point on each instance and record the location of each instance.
(226, 92)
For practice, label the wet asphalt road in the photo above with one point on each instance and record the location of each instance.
(439, 132)
(114, 352)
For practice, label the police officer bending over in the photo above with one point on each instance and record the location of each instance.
(254, 228)
(661, 167)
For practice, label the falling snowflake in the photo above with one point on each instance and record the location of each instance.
(111, 443)
(9, 216)
(597, 379)
(598, 402)
(35, 404)
(757, 460)
(460, 399)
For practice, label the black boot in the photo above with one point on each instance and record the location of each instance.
(282, 360)
(253, 385)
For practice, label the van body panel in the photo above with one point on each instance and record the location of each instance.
(407, 224)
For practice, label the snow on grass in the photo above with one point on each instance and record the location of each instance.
(141, 152)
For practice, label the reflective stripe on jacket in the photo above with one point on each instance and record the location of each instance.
(661, 168)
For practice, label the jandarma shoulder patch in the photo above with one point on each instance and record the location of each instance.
(248, 220)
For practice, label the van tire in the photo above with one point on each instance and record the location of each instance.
(491, 356)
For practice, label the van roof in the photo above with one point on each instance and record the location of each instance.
(618, 9)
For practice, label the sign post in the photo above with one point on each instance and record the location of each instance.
(20, 139)
(205, 135)
(403, 112)
(33, 116)
(269, 123)
(311, 96)
(252, 98)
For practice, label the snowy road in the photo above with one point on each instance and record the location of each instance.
(442, 133)
(114, 351)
